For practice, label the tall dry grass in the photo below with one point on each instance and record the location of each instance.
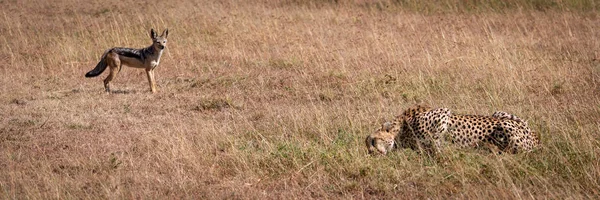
(274, 99)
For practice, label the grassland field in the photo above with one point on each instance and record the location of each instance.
(273, 99)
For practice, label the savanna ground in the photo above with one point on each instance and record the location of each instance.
(274, 99)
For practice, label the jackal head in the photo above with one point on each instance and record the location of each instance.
(159, 42)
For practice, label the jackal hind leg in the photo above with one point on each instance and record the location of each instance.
(114, 63)
(151, 81)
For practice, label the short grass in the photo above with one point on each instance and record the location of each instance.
(273, 99)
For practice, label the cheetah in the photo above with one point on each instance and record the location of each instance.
(423, 128)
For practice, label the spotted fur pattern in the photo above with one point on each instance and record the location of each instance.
(423, 128)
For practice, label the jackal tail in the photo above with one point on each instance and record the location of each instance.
(100, 67)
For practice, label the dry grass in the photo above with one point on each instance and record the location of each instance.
(274, 99)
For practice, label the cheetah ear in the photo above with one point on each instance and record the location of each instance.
(387, 126)
(370, 142)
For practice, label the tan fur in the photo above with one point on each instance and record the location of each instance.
(381, 141)
(389, 131)
(149, 59)
(423, 128)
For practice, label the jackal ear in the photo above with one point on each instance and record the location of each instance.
(165, 33)
(152, 33)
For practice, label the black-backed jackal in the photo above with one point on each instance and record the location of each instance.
(147, 58)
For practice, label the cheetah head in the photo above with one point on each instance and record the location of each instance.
(382, 140)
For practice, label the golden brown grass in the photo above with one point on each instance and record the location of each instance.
(274, 99)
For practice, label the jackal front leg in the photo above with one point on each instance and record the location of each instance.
(151, 81)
